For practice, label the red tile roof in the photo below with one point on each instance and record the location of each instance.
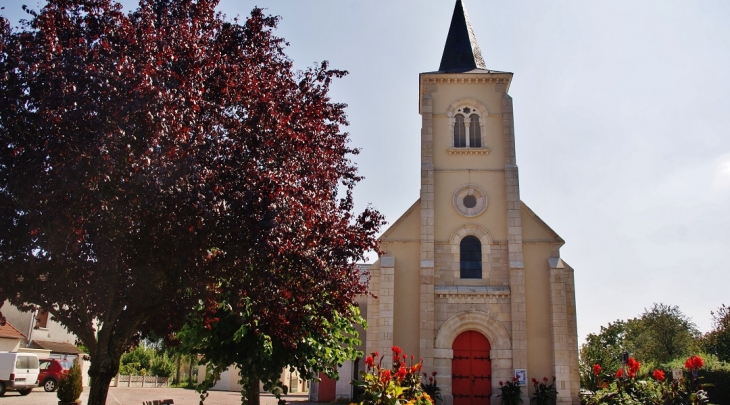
(56, 347)
(8, 331)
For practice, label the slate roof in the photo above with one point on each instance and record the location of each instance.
(461, 52)
(56, 347)
(8, 331)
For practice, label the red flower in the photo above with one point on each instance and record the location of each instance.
(620, 373)
(659, 375)
(396, 350)
(501, 383)
(376, 354)
(385, 376)
(534, 381)
(414, 370)
(544, 379)
(402, 372)
(633, 366)
(596, 369)
(694, 363)
(369, 361)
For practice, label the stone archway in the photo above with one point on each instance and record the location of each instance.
(492, 329)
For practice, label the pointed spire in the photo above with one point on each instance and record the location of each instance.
(461, 52)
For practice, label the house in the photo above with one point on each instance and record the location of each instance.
(45, 337)
(10, 338)
(472, 280)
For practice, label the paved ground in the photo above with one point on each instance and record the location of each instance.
(135, 396)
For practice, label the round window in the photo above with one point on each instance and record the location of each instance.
(470, 200)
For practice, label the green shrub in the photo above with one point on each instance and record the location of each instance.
(69, 385)
(146, 361)
(162, 365)
(717, 385)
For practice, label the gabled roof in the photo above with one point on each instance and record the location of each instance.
(461, 52)
(8, 331)
(541, 223)
(56, 347)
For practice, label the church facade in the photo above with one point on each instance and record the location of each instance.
(471, 279)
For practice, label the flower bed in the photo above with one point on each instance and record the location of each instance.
(398, 385)
(624, 387)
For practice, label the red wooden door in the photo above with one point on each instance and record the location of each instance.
(327, 389)
(471, 370)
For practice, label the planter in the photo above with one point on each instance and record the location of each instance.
(76, 402)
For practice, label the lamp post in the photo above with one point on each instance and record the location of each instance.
(624, 361)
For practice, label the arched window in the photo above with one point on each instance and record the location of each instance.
(475, 135)
(467, 128)
(459, 131)
(470, 256)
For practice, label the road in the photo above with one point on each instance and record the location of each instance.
(135, 396)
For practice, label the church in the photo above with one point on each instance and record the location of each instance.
(471, 279)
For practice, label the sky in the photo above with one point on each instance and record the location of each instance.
(622, 121)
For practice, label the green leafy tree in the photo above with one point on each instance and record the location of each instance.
(717, 341)
(225, 336)
(136, 361)
(146, 157)
(604, 349)
(662, 334)
(144, 360)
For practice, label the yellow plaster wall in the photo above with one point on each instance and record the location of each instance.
(402, 241)
(405, 228)
(406, 301)
(454, 171)
(534, 229)
(448, 219)
(537, 295)
(443, 98)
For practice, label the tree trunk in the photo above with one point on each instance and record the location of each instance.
(252, 392)
(177, 370)
(103, 368)
(190, 372)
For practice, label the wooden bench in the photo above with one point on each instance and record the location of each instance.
(158, 402)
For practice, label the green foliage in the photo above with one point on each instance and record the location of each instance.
(69, 385)
(431, 386)
(717, 341)
(545, 394)
(398, 385)
(629, 388)
(144, 360)
(225, 337)
(511, 392)
(603, 349)
(717, 384)
(662, 333)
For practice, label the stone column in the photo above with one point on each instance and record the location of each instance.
(563, 333)
(386, 299)
(427, 332)
(514, 235)
(372, 334)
